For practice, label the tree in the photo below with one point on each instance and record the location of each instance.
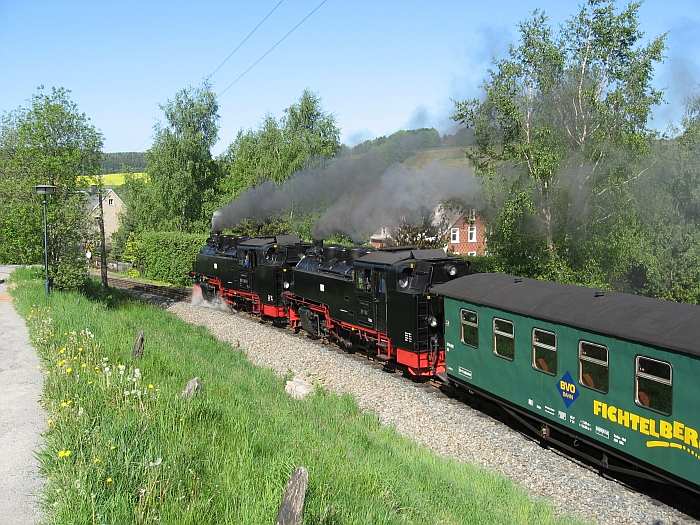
(49, 142)
(570, 104)
(182, 174)
(279, 147)
(427, 232)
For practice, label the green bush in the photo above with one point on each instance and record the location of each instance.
(164, 256)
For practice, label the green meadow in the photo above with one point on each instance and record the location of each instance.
(123, 446)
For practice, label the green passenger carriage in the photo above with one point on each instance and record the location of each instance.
(618, 371)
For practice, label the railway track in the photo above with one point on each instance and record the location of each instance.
(172, 293)
(677, 498)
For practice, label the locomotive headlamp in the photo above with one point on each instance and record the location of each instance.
(452, 270)
(432, 321)
(285, 285)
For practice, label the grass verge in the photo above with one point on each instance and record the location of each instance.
(124, 447)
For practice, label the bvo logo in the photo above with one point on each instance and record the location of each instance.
(567, 389)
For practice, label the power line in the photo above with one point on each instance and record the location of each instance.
(239, 77)
(240, 44)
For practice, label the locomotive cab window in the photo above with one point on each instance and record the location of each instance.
(654, 385)
(363, 279)
(593, 368)
(544, 351)
(503, 339)
(470, 328)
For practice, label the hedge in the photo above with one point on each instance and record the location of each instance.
(164, 256)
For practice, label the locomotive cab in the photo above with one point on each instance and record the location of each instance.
(377, 301)
(248, 273)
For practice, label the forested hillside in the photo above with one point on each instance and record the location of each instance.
(121, 161)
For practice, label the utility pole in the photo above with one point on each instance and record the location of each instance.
(103, 244)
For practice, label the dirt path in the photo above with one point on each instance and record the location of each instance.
(21, 417)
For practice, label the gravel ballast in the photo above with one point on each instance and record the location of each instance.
(446, 426)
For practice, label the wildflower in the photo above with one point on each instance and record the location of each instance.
(50, 423)
(80, 349)
(109, 481)
(83, 365)
(150, 386)
(69, 370)
(66, 403)
(137, 373)
(62, 350)
(121, 369)
(61, 363)
(64, 454)
(96, 460)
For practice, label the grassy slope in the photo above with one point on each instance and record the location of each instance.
(226, 454)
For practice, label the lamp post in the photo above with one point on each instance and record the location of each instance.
(45, 190)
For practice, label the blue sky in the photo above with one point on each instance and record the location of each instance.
(378, 65)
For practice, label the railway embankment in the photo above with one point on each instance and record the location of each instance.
(124, 446)
(448, 427)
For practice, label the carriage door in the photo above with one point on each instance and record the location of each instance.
(380, 307)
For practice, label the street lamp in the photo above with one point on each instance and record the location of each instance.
(45, 190)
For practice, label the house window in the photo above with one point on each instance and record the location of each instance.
(470, 328)
(654, 385)
(503, 339)
(454, 236)
(472, 233)
(593, 370)
(472, 254)
(544, 351)
(111, 202)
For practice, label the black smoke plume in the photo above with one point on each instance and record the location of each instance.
(359, 192)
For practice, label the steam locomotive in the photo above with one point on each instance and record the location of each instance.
(374, 301)
(574, 365)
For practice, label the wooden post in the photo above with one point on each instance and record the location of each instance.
(291, 510)
(137, 350)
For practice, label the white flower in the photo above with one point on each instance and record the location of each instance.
(155, 462)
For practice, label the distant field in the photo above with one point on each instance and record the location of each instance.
(111, 179)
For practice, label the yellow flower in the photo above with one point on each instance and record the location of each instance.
(96, 460)
(61, 362)
(64, 454)
(83, 365)
(66, 404)
(80, 349)
(50, 423)
(150, 386)
(112, 447)
(108, 481)
(69, 370)
(62, 350)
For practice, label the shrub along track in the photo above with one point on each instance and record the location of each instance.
(451, 423)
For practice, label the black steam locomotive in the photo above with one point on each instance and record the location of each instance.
(375, 301)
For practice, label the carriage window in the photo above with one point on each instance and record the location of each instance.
(470, 328)
(654, 385)
(503, 339)
(544, 351)
(593, 371)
